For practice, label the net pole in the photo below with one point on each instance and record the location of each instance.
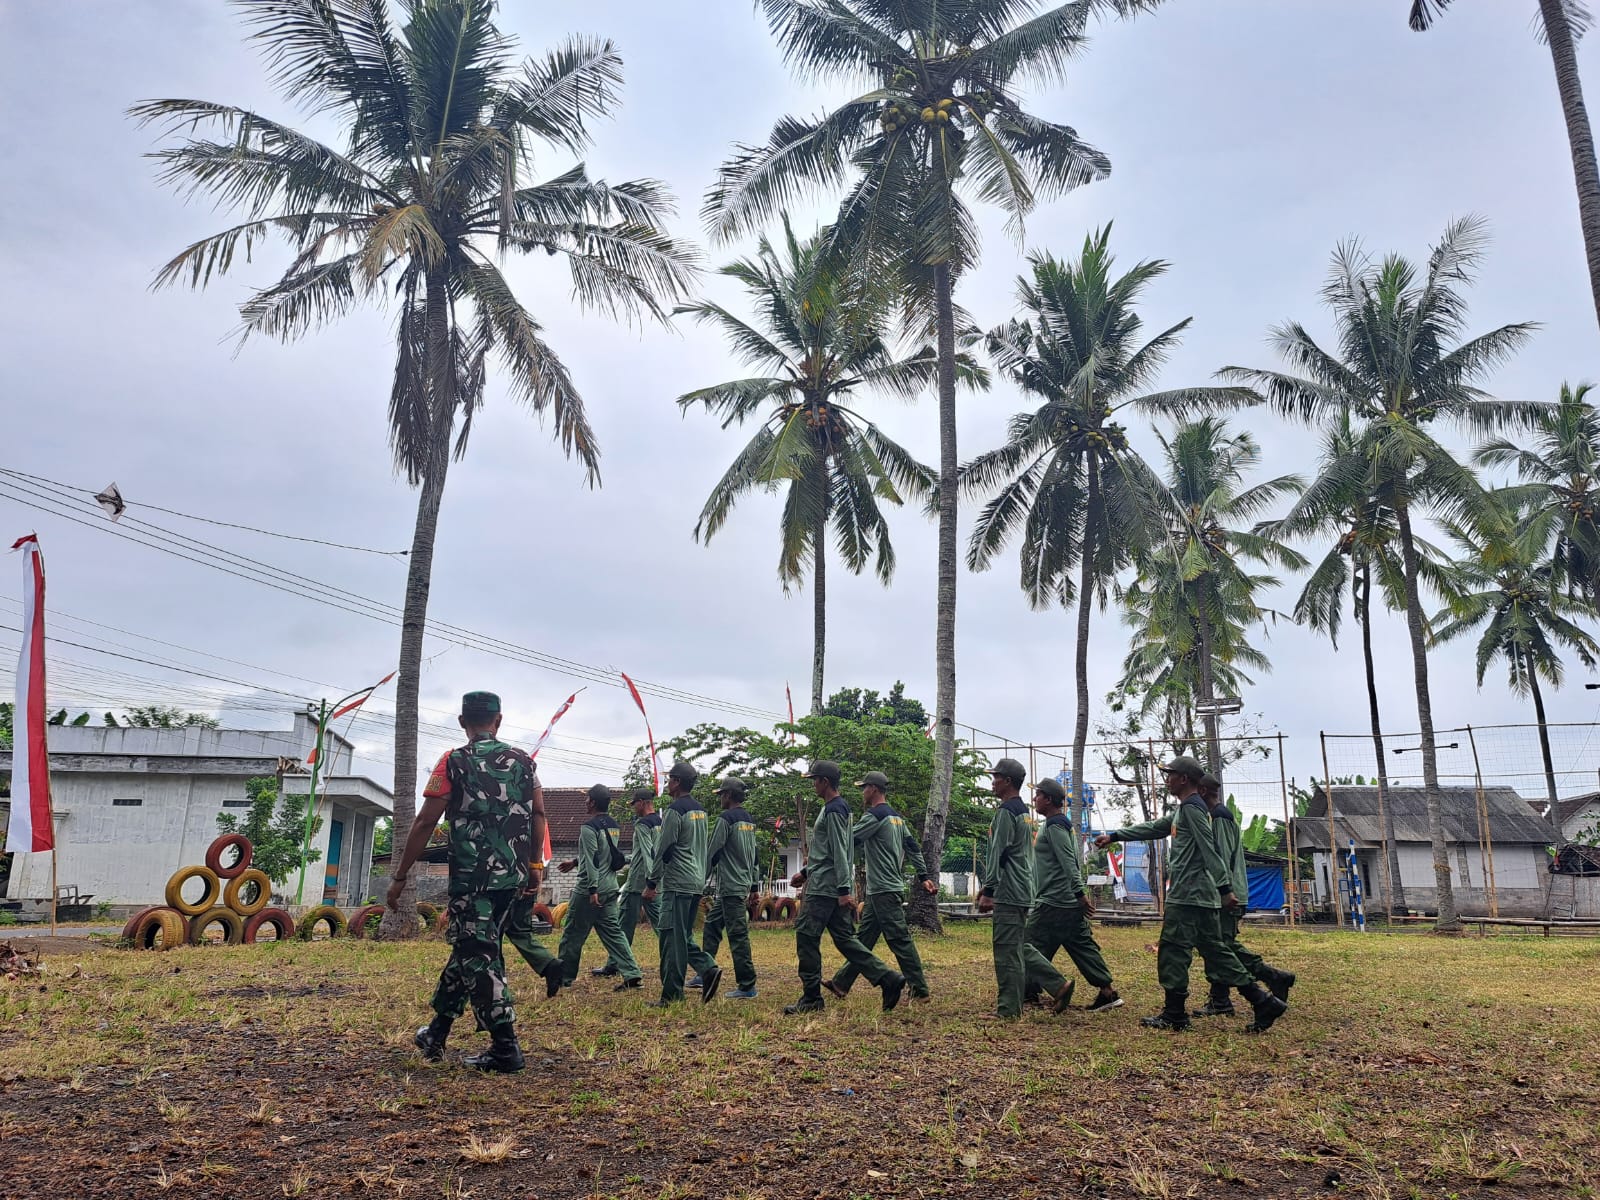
(1486, 834)
(1288, 831)
(1333, 844)
(1154, 863)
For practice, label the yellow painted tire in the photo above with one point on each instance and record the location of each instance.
(232, 893)
(327, 914)
(428, 912)
(558, 914)
(232, 926)
(206, 902)
(160, 929)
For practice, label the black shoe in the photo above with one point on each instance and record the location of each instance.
(1214, 1008)
(555, 978)
(1177, 1022)
(806, 1004)
(1062, 1000)
(1280, 982)
(661, 1003)
(629, 985)
(892, 985)
(430, 1038)
(709, 984)
(503, 1056)
(1104, 1001)
(834, 990)
(607, 970)
(1267, 1010)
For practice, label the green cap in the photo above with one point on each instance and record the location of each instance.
(823, 769)
(1184, 765)
(733, 784)
(875, 779)
(480, 704)
(1052, 789)
(1011, 769)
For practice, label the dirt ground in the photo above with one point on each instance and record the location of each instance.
(1409, 1066)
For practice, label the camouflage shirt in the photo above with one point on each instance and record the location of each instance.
(490, 810)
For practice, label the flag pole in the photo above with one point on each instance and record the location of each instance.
(311, 798)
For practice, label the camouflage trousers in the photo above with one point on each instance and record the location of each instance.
(476, 972)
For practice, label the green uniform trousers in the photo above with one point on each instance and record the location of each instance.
(676, 936)
(628, 916)
(476, 971)
(885, 916)
(819, 915)
(1051, 929)
(519, 932)
(584, 916)
(1017, 965)
(1231, 920)
(1185, 929)
(729, 916)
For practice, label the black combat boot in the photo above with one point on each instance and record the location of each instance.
(1268, 1008)
(608, 970)
(892, 985)
(1062, 1000)
(431, 1037)
(1219, 1005)
(503, 1055)
(1174, 1016)
(555, 978)
(1279, 981)
(806, 1004)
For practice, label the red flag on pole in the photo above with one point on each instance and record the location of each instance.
(789, 696)
(352, 702)
(655, 770)
(545, 736)
(31, 829)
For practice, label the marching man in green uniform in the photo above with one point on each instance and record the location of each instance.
(1199, 886)
(593, 905)
(732, 859)
(1005, 888)
(886, 845)
(1061, 909)
(828, 905)
(1226, 830)
(486, 790)
(519, 926)
(646, 829)
(678, 868)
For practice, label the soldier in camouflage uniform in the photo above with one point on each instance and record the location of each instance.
(1226, 830)
(678, 867)
(594, 899)
(646, 828)
(886, 846)
(731, 858)
(486, 790)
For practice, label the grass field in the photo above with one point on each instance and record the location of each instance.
(1409, 1066)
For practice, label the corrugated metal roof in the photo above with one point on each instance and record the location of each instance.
(1355, 814)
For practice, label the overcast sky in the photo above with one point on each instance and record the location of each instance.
(1247, 138)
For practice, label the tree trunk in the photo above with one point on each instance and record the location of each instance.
(1544, 746)
(1396, 892)
(1080, 730)
(924, 912)
(1208, 694)
(1447, 921)
(419, 576)
(1558, 32)
(819, 611)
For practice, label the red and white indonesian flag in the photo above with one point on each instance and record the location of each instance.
(655, 767)
(349, 706)
(545, 736)
(31, 829)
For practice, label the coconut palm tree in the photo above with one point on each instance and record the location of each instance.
(814, 352)
(1401, 367)
(1067, 478)
(1560, 458)
(1560, 24)
(434, 186)
(1193, 601)
(1341, 509)
(1507, 587)
(937, 119)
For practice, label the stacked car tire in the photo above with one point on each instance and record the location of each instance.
(235, 896)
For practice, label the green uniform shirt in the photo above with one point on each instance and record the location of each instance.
(679, 862)
(595, 840)
(490, 810)
(732, 852)
(830, 862)
(1057, 876)
(1195, 870)
(646, 832)
(1008, 866)
(1226, 831)
(886, 845)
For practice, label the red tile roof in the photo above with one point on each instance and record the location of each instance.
(568, 808)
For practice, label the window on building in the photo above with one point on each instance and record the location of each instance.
(236, 804)
(126, 803)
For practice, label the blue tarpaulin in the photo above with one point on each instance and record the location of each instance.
(1266, 887)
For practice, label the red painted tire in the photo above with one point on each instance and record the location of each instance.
(282, 925)
(786, 909)
(131, 926)
(752, 906)
(358, 923)
(541, 912)
(441, 923)
(230, 841)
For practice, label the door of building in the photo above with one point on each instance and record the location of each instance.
(330, 882)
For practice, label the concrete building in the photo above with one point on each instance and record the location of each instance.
(1516, 843)
(134, 805)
